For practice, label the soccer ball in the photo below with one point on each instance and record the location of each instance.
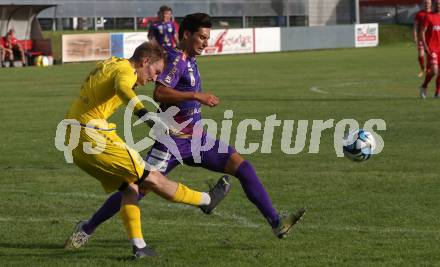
(359, 145)
(43, 61)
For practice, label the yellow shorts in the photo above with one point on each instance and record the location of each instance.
(112, 164)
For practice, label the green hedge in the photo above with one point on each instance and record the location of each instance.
(395, 34)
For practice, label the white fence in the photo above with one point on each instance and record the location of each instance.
(89, 47)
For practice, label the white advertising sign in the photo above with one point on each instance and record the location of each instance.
(267, 40)
(85, 47)
(133, 40)
(366, 35)
(230, 41)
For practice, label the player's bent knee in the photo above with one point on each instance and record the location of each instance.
(233, 163)
(130, 195)
(237, 158)
(130, 189)
(153, 180)
(144, 188)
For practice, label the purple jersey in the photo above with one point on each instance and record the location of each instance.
(181, 73)
(164, 33)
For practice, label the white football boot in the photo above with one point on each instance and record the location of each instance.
(78, 238)
(423, 92)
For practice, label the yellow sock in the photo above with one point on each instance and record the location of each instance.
(131, 217)
(187, 196)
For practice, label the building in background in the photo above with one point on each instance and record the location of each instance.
(388, 11)
(135, 14)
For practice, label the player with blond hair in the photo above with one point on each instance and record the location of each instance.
(119, 167)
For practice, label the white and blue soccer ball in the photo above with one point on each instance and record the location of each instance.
(359, 145)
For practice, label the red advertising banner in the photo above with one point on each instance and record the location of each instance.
(231, 41)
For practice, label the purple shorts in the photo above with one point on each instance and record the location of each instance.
(213, 159)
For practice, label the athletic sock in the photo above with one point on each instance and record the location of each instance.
(110, 207)
(113, 204)
(187, 196)
(256, 193)
(131, 217)
(138, 242)
(206, 199)
(428, 78)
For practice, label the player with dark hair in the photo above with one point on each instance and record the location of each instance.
(431, 41)
(417, 31)
(164, 31)
(180, 85)
(117, 166)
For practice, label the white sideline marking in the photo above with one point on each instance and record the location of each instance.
(239, 219)
(317, 90)
(240, 222)
(23, 220)
(371, 229)
(70, 194)
(303, 225)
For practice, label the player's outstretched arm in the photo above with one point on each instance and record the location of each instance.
(169, 95)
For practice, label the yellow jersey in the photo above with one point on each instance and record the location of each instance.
(108, 86)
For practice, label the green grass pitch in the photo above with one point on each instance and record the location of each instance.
(381, 212)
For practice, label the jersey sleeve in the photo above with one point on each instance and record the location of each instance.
(124, 82)
(172, 73)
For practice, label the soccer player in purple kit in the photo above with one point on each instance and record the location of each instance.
(180, 85)
(164, 31)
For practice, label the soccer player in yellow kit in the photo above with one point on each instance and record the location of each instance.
(104, 155)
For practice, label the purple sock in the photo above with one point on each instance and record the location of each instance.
(256, 193)
(110, 207)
